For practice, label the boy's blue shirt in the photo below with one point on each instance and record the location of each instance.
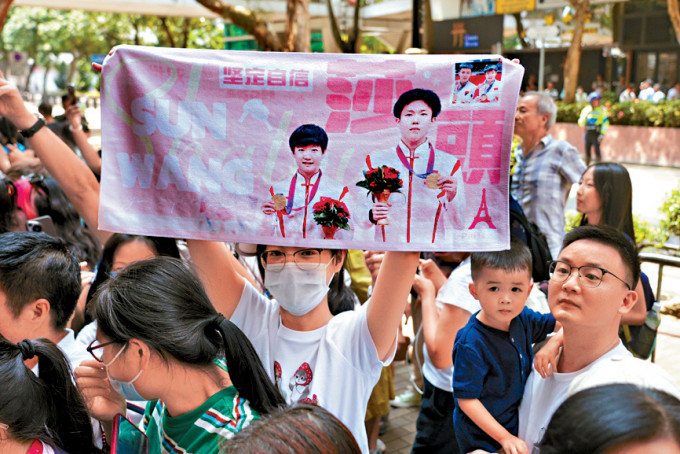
(493, 366)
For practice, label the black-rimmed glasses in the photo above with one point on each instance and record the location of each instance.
(589, 275)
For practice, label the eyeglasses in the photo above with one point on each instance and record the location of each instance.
(91, 348)
(305, 259)
(588, 275)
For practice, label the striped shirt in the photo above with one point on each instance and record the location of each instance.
(545, 177)
(202, 430)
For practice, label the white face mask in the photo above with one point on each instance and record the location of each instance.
(298, 291)
(127, 389)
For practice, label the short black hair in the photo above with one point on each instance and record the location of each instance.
(308, 134)
(418, 94)
(609, 236)
(34, 266)
(45, 109)
(517, 258)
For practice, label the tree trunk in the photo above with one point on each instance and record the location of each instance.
(48, 65)
(248, 21)
(355, 34)
(185, 32)
(573, 62)
(4, 10)
(298, 34)
(168, 33)
(428, 27)
(72, 69)
(674, 13)
(27, 86)
(350, 45)
(520, 31)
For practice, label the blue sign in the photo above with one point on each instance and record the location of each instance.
(471, 41)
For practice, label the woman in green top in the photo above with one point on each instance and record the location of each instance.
(159, 334)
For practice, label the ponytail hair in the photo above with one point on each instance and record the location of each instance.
(186, 326)
(47, 406)
(251, 382)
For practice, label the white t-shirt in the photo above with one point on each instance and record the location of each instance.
(454, 292)
(542, 396)
(74, 351)
(336, 365)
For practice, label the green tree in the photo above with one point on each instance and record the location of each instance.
(572, 64)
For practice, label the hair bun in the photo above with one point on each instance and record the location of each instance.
(26, 348)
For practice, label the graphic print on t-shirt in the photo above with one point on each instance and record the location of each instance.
(299, 385)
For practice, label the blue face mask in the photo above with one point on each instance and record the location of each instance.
(127, 389)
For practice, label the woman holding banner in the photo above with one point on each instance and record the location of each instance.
(311, 355)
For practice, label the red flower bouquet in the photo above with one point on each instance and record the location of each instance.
(381, 182)
(380, 179)
(331, 215)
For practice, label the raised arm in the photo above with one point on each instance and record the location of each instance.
(72, 174)
(389, 297)
(90, 155)
(220, 273)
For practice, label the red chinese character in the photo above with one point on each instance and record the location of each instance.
(254, 76)
(232, 75)
(486, 146)
(299, 78)
(356, 96)
(276, 77)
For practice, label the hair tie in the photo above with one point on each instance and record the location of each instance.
(219, 318)
(26, 348)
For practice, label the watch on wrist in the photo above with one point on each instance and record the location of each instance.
(30, 132)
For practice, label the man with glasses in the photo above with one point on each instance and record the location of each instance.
(591, 286)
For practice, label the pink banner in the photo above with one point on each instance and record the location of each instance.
(389, 152)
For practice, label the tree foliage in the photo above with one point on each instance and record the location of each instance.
(45, 33)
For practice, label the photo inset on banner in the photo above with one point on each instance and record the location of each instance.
(309, 204)
(477, 82)
(417, 192)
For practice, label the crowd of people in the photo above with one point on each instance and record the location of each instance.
(648, 91)
(196, 340)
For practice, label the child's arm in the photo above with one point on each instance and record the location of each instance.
(545, 361)
(476, 411)
(389, 297)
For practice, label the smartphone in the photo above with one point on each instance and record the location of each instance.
(20, 146)
(71, 90)
(128, 438)
(42, 224)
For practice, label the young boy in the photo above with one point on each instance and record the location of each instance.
(492, 355)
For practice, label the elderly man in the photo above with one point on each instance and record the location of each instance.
(646, 90)
(592, 286)
(548, 167)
